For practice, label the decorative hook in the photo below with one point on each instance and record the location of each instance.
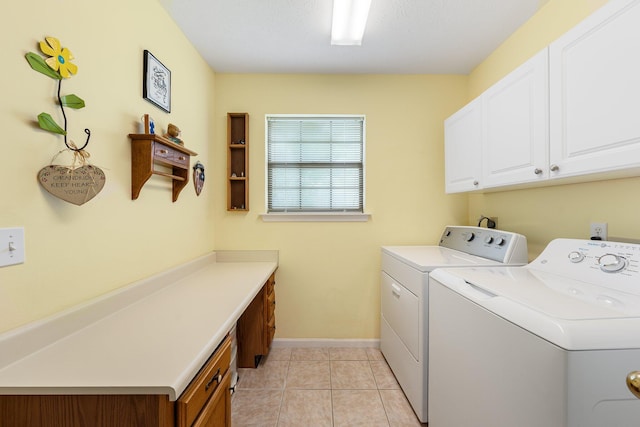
(87, 131)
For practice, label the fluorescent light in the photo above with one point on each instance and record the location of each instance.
(349, 21)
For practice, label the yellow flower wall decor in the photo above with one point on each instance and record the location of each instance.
(79, 182)
(59, 57)
(58, 66)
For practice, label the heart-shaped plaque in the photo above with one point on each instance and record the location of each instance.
(76, 186)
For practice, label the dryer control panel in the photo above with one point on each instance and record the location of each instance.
(497, 245)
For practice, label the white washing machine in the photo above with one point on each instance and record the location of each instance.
(405, 298)
(555, 343)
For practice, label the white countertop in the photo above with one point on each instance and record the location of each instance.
(153, 343)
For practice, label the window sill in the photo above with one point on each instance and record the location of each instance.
(315, 217)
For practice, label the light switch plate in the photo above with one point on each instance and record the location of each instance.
(11, 246)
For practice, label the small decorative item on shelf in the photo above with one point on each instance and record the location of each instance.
(198, 177)
(156, 82)
(148, 124)
(79, 182)
(173, 133)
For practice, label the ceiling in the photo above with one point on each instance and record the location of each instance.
(402, 36)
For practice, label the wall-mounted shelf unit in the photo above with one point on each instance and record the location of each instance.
(237, 161)
(148, 149)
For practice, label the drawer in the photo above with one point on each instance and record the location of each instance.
(203, 386)
(170, 156)
(180, 159)
(271, 282)
(162, 152)
(271, 330)
(271, 305)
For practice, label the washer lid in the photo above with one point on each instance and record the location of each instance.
(426, 258)
(569, 313)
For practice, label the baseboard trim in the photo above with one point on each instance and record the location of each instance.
(325, 342)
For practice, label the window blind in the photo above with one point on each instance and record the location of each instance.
(315, 164)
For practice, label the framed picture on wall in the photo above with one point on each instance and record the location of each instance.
(156, 82)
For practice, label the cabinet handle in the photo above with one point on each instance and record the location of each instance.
(395, 290)
(537, 171)
(215, 378)
(475, 182)
(554, 168)
(163, 151)
(633, 383)
(182, 158)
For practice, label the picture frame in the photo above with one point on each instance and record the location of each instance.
(156, 82)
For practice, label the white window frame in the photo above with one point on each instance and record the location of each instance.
(315, 216)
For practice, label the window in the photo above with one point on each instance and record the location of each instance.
(315, 164)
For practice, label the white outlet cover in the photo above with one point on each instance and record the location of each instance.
(11, 246)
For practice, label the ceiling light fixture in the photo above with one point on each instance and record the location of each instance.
(349, 21)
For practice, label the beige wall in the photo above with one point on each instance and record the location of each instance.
(328, 280)
(76, 252)
(543, 214)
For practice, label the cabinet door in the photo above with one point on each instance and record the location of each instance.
(463, 148)
(217, 412)
(515, 125)
(595, 93)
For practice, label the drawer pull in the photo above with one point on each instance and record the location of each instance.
(163, 151)
(182, 158)
(215, 378)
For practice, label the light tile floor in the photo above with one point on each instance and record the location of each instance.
(332, 387)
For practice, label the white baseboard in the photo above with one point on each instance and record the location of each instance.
(325, 342)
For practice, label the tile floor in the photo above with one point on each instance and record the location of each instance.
(332, 387)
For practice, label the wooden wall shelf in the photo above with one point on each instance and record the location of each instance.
(238, 162)
(148, 149)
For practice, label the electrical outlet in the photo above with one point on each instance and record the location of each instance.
(598, 231)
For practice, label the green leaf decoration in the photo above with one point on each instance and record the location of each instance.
(38, 64)
(46, 122)
(72, 101)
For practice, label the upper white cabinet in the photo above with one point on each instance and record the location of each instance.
(463, 148)
(569, 114)
(595, 93)
(516, 126)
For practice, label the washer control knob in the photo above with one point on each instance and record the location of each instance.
(469, 237)
(611, 263)
(500, 241)
(488, 240)
(576, 256)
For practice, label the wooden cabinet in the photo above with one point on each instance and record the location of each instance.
(208, 398)
(148, 150)
(463, 148)
(256, 327)
(595, 93)
(205, 402)
(237, 162)
(515, 126)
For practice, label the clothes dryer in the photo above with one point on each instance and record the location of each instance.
(405, 296)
